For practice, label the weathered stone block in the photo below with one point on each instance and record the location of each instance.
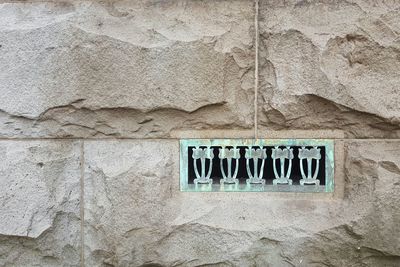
(39, 200)
(135, 214)
(331, 65)
(125, 68)
(128, 185)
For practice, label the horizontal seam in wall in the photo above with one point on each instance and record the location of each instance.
(177, 139)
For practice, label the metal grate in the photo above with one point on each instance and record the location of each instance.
(289, 165)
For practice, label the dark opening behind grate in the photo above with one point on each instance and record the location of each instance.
(216, 174)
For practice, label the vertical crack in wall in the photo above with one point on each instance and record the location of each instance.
(82, 203)
(256, 71)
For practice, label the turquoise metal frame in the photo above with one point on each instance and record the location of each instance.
(216, 187)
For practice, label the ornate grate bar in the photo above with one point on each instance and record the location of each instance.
(287, 165)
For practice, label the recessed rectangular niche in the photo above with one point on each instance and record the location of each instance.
(284, 165)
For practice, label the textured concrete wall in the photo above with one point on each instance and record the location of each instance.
(96, 94)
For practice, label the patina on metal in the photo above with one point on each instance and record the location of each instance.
(202, 154)
(255, 154)
(229, 154)
(254, 163)
(309, 155)
(281, 155)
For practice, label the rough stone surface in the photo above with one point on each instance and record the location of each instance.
(135, 215)
(122, 73)
(331, 65)
(125, 68)
(39, 203)
(127, 187)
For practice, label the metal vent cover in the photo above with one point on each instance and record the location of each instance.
(283, 165)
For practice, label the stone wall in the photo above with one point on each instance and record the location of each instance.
(96, 94)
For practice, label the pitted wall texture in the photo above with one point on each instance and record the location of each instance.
(95, 95)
